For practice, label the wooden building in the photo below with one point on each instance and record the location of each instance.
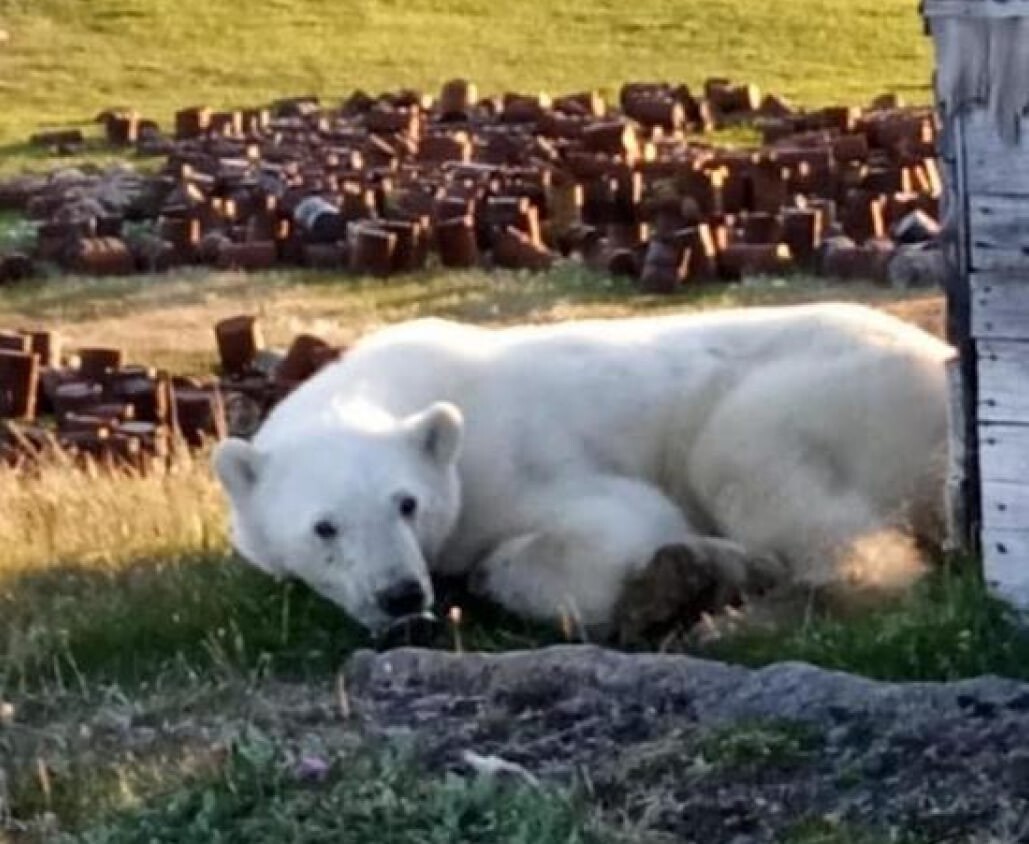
(982, 91)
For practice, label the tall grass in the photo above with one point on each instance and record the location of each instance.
(57, 515)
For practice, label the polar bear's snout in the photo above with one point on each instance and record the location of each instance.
(403, 598)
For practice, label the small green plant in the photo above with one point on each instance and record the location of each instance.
(758, 744)
(832, 831)
(16, 232)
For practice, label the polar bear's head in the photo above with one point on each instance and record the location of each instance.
(355, 511)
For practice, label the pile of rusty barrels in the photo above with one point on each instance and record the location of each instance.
(95, 406)
(386, 184)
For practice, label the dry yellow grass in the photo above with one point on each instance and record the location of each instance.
(61, 515)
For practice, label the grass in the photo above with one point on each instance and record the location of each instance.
(259, 795)
(121, 595)
(251, 786)
(821, 831)
(160, 55)
(946, 629)
(759, 744)
(167, 321)
(126, 587)
(15, 232)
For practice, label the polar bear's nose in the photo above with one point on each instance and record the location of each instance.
(403, 598)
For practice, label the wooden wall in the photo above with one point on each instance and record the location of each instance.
(995, 190)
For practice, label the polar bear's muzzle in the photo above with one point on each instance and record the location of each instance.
(406, 603)
(403, 598)
(413, 630)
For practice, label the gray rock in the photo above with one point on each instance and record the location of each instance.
(709, 752)
(921, 266)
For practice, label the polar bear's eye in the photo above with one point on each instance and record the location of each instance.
(408, 506)
(325, 529)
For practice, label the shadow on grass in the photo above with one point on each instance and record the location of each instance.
(70, 627)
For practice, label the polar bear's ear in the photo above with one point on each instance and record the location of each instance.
(236, 462)
(437, 432)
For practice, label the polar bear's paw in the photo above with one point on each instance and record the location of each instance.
(684, 583)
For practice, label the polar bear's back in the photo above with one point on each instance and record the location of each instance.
(598, 363)
(839, 324)
(653, 349)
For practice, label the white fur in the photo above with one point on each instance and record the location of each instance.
(814, 433)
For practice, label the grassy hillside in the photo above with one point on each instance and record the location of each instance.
(64, 60)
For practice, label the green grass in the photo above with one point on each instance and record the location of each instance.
(187, 616)
(778, 744)
(362, 801)
(258, 793)
(821, 831)
(66, 60)
(948, 628)
(16, 233)
(71, 631)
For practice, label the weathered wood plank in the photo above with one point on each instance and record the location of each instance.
(1003, 381)
(999, 232)
(1000, 306)
(958, 525)
(993, 166)
(1004, 454)
(1006, 565)
(956, 192)
(963, 487)
(1005, 505)
(988, 9)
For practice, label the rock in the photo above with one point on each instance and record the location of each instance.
(917, 266)
(78, 209)
(702, 751)
(1018, 772)
(66, 177)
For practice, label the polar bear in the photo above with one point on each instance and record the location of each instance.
(551, 463)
